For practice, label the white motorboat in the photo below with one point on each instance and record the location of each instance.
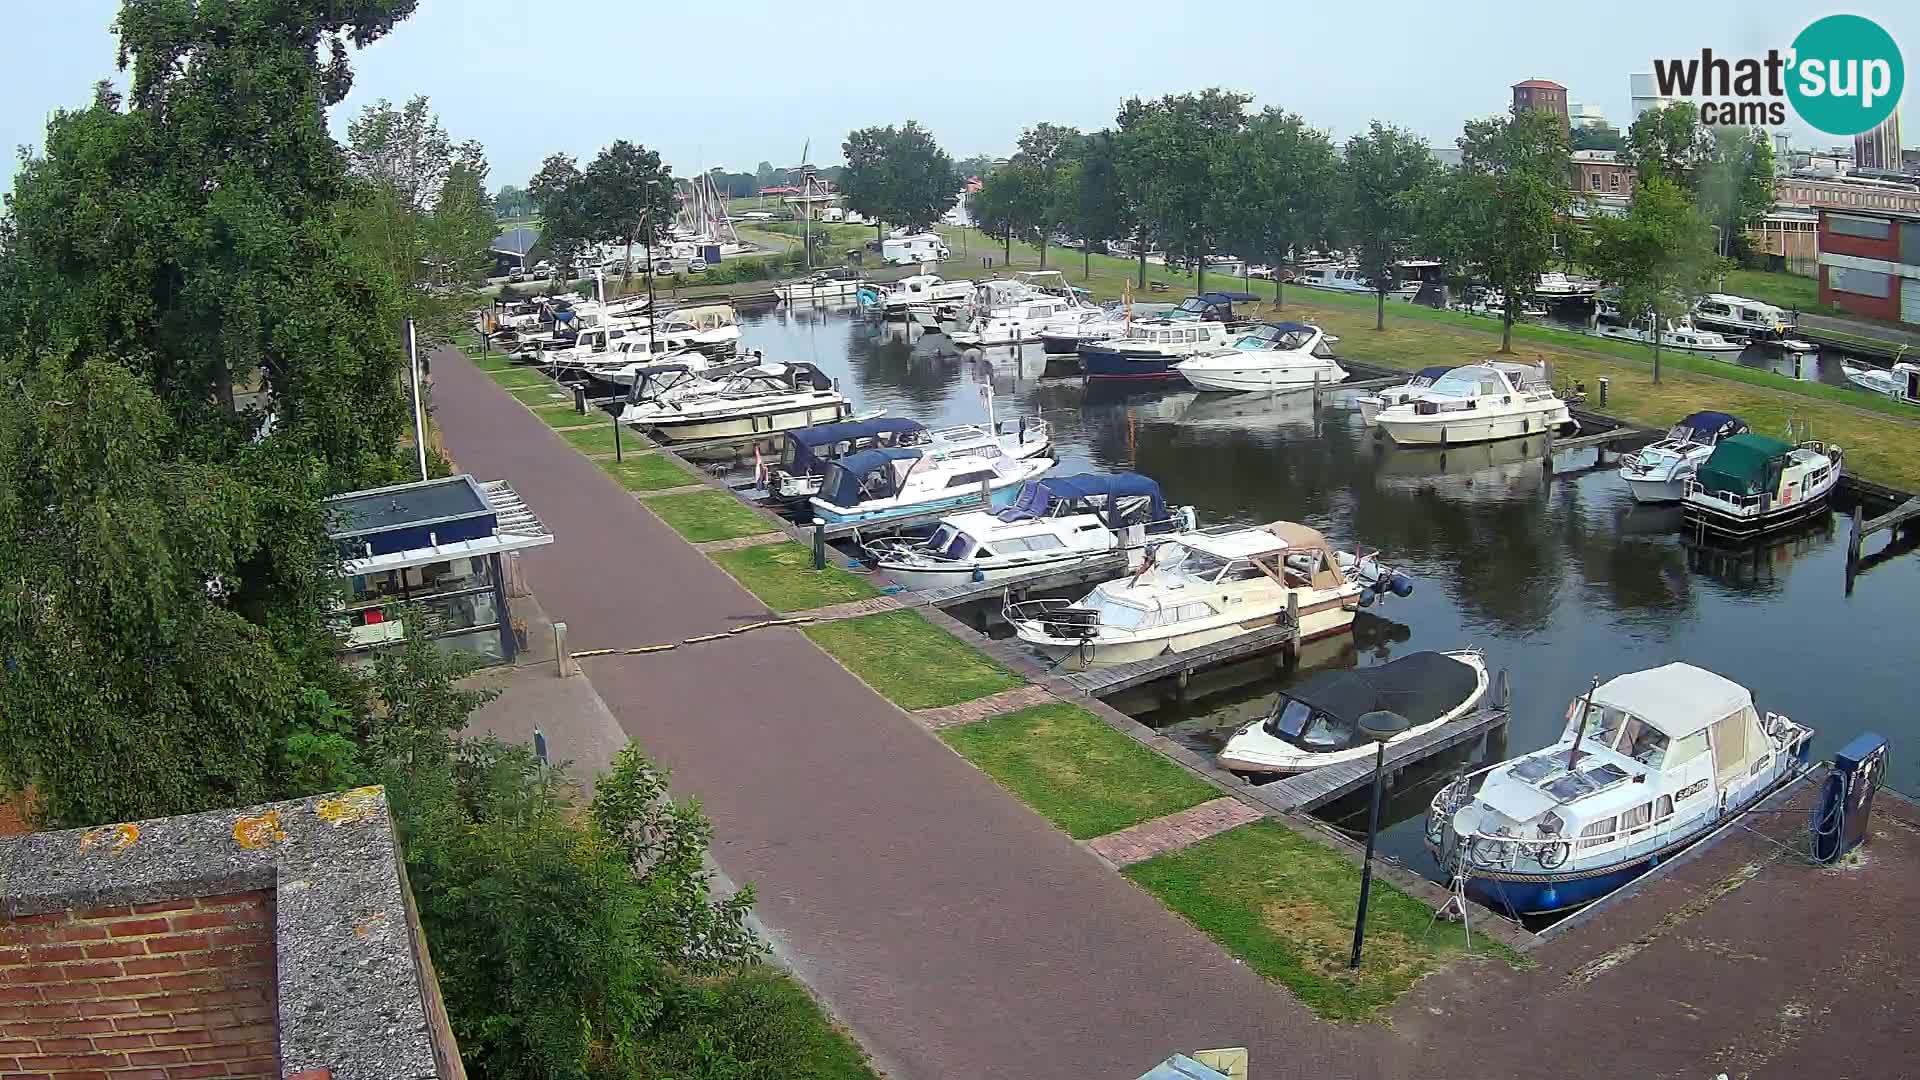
(1338, 278)
(877, 485)
(1199, 589)
(1269, 358)
(1659, 473)
(1647, 764)
(1317, 721)
(1492, 304)
(1151, 349)
(1019, 323)
(1901, 382)
(759, 400)
(923, 292)
(823, 286)
(1054, 522)
(1554, 285)
(1754, 318)
(1752, 484)
(1677, 335)
(806, 454)
(1476, 403)
(1371, 404)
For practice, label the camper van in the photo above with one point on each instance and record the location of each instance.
(907, 250)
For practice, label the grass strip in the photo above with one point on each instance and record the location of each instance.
(782, 575)
(911, 662)
(519, 376)
(540, 395)
(647, 472)
(1285, 904)
(1075, 771)
(562, 419)
(701, 516)
(598, 438)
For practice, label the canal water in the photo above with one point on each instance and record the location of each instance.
(1555, 577)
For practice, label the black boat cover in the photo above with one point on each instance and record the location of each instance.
(1422, 687)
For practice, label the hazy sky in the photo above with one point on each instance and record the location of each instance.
(735, 84)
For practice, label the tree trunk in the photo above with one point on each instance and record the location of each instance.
(1140, 250)
(1506, 328)
(626, 270)
(1379, 310)
(1200, 275)
(1009, 239)
(1043, 250)
(1086, 262)
(1656, 352)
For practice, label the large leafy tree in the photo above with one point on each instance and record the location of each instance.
(1088, 199)
(1666, 141)
(512, 202)
(1277, 179)
(1017, 200)
(628, 197)
(559, 191)
(1045, 150)
(1169, 152)
(1660, 256)
(1382, 168)
(898, 175)
(1733, 183)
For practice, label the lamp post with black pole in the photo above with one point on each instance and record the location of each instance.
(1382, 727)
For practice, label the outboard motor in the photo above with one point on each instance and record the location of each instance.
(1839, 819)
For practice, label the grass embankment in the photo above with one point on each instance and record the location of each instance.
(757, 1022)
(597, 438)
(701, 516)
(562, 419)
(911, 662)
(647, 472)
(782, 575)
(1075, 771)
(540, 395)
(1285, 905)
(519, 378)
(1790, 291)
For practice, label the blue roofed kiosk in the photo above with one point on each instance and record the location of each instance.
(436, 545)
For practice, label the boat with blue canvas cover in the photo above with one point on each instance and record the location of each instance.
(805, 454)
(1649, 763)
(1659, 473)
(1054, 522)
(877, 485)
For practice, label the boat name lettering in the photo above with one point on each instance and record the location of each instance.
(1690, 791)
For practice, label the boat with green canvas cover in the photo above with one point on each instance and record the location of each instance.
(1754, 484)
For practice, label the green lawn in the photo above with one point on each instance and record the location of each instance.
(598, 438)
(647, 472)
(561, 419)
(489, 361)
(540, 395)
(1781, 289)
(758, 1022)
(911, 662)
(519, 376)
(1285, 905)
(782, 576)
(1075, 771)
(701, 516)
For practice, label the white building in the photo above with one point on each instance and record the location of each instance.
(1645, 94)
(1586, 116)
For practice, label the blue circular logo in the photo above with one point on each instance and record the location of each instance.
(1847, 75)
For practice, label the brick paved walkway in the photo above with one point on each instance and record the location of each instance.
(1173, 832)
(1006, 701)
(954, 931)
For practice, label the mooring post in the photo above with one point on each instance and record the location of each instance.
(1853, 538)
(1293, 611)
(986, 496)
(580, 398)
(819, 544)
(562, 659)
(616, 440)
(1443, 436)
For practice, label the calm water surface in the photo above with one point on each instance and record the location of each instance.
(1557, 578)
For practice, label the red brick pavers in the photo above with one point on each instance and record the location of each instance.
(1006, 701)
(954, 931)
(1141, 842)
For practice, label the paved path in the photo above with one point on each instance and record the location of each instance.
(952, 929)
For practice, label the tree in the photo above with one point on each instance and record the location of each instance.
(1277, 179)
(1602, 137)
(1016, 200)
(627, 196)
(1168, 152)
(559, 189)
(1031, 181)
(898, 175)
(404, 151)
(1088, 198)
(1382, 169)
(978, 166)
(512, 203)
(764, 174)
(1660, 256)
(1733, 184)
(1666, 141)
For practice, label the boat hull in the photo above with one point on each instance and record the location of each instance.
(1099, 363)
(1653, 491)
(1746, 526)
(783, 419)
(1000, 497)
(921, 577)
(1260, 381)
(1081, 656)
(1430, 431)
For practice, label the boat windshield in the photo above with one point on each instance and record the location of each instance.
(1459, 383)
(1179, 558)
(1308, 728)
(949, 543)
(1119, 614)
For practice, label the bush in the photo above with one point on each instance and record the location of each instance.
(756, 1025)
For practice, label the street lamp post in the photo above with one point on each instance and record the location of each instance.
(646, 223)
(1381, 727)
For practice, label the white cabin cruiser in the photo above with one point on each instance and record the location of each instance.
(759, 400)
(1346, 278)
(1316, 722)
(1097, 324)
(1019, 323)
(1476, 403)
(1648, 763)
(825, 285)
(1754, 318)
(1199, 589)
(1677, 335)
(1054, 522)
(1492, 303)
(923, 292)
(876, 485)
(1554, 285)
(1753, 484)
(1151, 349)
(1371, 404)
(1269, 358)
(1901, 382)
(1659, 473)
(805, 454)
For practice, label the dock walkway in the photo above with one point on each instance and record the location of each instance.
(1312, 790)
(1107, 681)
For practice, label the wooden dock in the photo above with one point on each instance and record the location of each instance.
(1038, 581)
(1311, 790)
(1905, 513)
(1104, 682)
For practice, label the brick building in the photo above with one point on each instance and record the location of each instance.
(1870, 263)
(1600, 172)
(272, 942)
(1541, 95)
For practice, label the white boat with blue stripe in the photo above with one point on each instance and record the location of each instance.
(1649, 763)
(876, 485)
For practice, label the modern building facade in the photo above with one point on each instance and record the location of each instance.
(1880, 147)
(1586, 116)
(1870, 263)
(434, 548)
(1644, 94)
(1541, 95)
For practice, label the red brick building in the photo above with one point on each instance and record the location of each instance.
(1541, 95)
(1870, 263)
(1600, 172)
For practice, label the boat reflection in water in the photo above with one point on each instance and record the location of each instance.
(1761, 566)
(1490, 471)
(1291, 414)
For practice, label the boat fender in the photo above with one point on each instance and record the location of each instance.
(979, 574)
(1366, 598)
(1550, 898)
(1401, 584)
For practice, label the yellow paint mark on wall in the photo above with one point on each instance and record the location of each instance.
(121, 836)
(255, 831)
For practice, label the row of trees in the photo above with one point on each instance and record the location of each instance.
(202, 342)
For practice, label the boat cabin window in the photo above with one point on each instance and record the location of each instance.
(983, 553)
(1636, 817)
(1598, 832)
(1186, 612)
(1308, 728)
(970, 478)
(1189, 561)
(1458, 383)
(1663, 808)
(949, 542)
(1119, 614)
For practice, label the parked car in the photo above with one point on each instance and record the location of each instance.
(696, 265)
(664, 266)
(542, 270)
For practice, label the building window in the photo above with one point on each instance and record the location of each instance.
(1864, 228)
(1859, 282)
(1593, 181)
(1613, 182)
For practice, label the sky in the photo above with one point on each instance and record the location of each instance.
(735, 84)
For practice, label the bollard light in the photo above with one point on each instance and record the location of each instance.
(1382, 727)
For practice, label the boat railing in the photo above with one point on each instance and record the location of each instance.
(1728, 498)
(1057, 617)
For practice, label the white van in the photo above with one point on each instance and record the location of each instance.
(908, 250)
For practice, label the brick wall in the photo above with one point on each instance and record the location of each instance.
(164, 991)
